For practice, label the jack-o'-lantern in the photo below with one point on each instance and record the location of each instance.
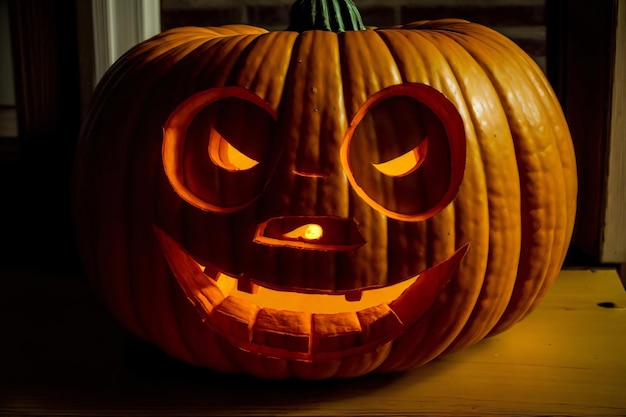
(324, 201)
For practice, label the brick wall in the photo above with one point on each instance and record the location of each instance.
(521, 20)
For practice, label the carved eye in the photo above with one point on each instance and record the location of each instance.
(404, 152)
(213, 160)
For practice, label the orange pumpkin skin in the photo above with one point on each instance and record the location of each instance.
(515, 205)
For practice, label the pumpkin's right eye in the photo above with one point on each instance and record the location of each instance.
(404, 152)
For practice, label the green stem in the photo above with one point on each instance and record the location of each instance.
(330, 15)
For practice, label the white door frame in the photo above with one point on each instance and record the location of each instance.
(110, 28)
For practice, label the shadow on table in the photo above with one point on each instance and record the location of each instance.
(63, 352)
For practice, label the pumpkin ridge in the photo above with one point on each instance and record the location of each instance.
(473, 177)
(176, 58)
(227, 51)
(423, 182)
(353, 201)
(133, 192)
(306, 183)
(138, 70)
(521, 291)
(432, 341)
(270, 80)
(558, 218)
(264, 71)
(144, 54)
(370, 66)
(520, 272)
(566, 150)
(387, 36)
(562, 220)
(245, 47)
(503, 266)
(130, 70)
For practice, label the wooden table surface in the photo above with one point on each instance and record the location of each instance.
(61, 354)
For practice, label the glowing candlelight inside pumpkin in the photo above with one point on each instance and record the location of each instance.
(309, 231)
(226, 156)
(313, 232)
(404, 164)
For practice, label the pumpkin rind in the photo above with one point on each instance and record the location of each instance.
(516, 203)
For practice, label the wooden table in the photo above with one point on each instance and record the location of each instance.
(61, 354)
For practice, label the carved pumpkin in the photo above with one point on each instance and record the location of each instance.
(320, 203)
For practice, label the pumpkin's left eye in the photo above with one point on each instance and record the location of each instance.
(219, 148)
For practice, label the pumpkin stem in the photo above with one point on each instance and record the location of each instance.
(330, 15)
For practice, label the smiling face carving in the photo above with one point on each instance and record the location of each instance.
(403, 138)
(304, 193)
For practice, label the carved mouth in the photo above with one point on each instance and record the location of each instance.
(304, 324)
